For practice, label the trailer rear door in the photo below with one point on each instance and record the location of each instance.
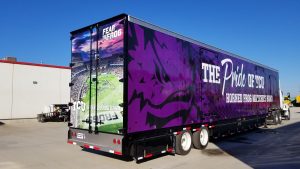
(97, 77)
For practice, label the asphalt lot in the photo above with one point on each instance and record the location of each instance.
(27, 144)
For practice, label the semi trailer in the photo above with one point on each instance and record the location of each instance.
(138, 90)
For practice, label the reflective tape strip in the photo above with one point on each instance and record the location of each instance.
(96, 148)
(196, 129)
(111, 151)
(164, 151)
(177, 133)
(117, 153)
(140, 158)
(91, 147)
(170, 149)
(148, 155)
(71, 142)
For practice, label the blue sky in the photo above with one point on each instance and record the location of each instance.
(266, 31)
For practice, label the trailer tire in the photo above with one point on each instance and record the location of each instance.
(279, 117)
(275, 118)
(289, 115)
(43, 119)
(201, 138)
(183, 143)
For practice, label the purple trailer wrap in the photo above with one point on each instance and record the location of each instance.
(138, 90)
(173, 82)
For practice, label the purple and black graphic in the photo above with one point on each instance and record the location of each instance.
(172, 82)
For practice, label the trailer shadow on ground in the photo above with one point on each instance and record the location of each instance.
(1, 123)
(264, 148)
(102, 153)
(297, 112)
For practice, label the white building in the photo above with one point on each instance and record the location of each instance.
(26, 88)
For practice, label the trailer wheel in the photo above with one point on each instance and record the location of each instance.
(201, 138)
(183, 143)
(289, 115)
(275, 118)
(279, 117)
(43, 119)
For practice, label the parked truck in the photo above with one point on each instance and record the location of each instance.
(139, 90)
(297, 101)
(54, 112)
(285, 104)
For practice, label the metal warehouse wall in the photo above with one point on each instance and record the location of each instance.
(27, 89)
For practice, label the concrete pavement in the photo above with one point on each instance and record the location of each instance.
(27, 144)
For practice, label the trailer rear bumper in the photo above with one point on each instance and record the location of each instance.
(111, 143)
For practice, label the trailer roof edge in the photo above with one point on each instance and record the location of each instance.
(163, 30)
(99, 23)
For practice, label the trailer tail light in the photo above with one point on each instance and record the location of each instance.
(73, 134)
(116, 141)
(86, 146)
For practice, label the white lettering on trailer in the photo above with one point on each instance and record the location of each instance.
(237, 77)
(247, 98)
(269, 98)
(226, 62)
(79, 105)
(211, 73)
(111, 32)
(259, 81)
(251, 80)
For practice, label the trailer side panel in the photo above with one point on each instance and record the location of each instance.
(173, 82)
